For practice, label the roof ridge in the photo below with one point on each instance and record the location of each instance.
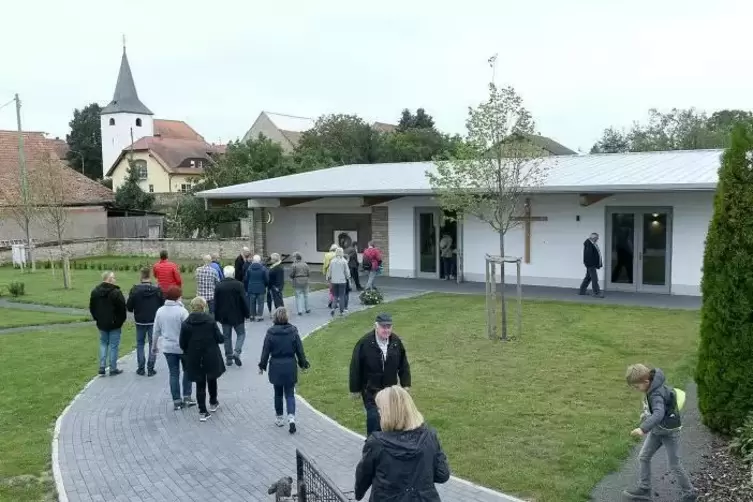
(286, 115)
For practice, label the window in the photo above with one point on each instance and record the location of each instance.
(328, 224)
(138, 122)
(112, 121)
(140, 166)
(200, 164)
(151, 188)
(185, 187)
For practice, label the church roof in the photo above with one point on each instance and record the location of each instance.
(596, 173)
(126, 99)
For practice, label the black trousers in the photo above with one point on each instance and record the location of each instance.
(356, 279)
(202, 384)
(590, 278)
(274, 295)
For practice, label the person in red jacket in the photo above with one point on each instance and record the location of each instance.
(166, 273)
(372, 261)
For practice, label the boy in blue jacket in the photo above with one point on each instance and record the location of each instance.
(660, 424)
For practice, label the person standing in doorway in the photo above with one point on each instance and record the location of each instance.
(144, 300)
(276, 283)
(299, 275)
(283, 352)
(372, 260)
(217, 265)
(351, 254)
(108, 309)
(167, 326)
(338, 274)
(592, 260)
(199, 339)
(446, 254)
(206, 280)
(166, 273)
(231, 310)
(240, 263)
(379, 360)
(255, 281)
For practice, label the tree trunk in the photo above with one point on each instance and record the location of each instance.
(66, 269)
(29, 252)
(503, 306)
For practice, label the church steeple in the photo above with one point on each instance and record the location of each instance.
(126, 99)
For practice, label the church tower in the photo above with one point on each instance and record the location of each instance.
(124, 118)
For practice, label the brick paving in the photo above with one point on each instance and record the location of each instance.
(121, 440)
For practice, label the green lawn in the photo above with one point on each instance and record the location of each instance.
(45, 288)
(38, 383)
(545, 417)
(12, 318)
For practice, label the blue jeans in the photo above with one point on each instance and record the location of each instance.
(109, 340)
(289, 391)
(174, 363)
(240, 335)
(302, 300)
(340, 293)
(370, 281)
(144, 333)
(372, 417)
(256, 304)
(210, 305)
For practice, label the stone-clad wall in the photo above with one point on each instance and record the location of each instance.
(380, 234)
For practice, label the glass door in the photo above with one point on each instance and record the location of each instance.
(654, 252)
(621, 258)
(427, 252)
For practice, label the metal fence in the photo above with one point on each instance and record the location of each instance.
(142, 227)
(313, 484)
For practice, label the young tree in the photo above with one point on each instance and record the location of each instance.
(85, 141)
(21, 206)
(130, 195)
(725, 359)
(503, 165)
(49, 185)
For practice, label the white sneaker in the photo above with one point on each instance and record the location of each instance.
(213, 407)
(280, 422)
(291, 421)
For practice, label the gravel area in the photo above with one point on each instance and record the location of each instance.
(723, 477)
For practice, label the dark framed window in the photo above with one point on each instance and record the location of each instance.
(138, 122)
(140, 166)
(358, 225)
(112, 121)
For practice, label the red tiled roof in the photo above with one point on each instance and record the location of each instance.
(175, 129)
(60, 146)
(41, 155)
(174, 152)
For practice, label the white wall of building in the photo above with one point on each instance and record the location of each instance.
(118, 136)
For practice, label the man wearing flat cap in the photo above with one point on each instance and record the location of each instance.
(379, 361)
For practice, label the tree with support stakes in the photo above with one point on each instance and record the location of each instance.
(500, 165)
(725, 357)
(491, 294)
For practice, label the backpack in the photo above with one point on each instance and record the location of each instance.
(672, 409)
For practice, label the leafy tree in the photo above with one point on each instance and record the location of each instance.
(130, 195)
(417, 145)
(502, 163)
(85, 141)
(613, 141)
(725, 360)
(421, 120)
(337, 140)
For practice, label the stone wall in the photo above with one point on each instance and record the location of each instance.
(176, 248)
(380, 234)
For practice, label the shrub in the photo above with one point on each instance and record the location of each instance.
(17, 288)
(371, 297)
(742, 443)
(725, 359)
(182, 269)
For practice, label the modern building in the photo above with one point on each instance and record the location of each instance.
(651, 210)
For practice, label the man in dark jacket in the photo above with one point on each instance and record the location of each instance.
(231, 310)
(379, 360)
(108, 308)
(144, 300)
(240, 263)
(255, 281)
(593, 261)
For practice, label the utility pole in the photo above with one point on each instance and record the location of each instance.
(24, 182)
(493, 63)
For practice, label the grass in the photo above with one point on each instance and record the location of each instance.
(38, 383)
(545, 417)
(46, 288)
(13, 318)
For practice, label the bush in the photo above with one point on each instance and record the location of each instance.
(182, 269)
(371, 297)
(17, 288)
(742, 443)
(725, 359)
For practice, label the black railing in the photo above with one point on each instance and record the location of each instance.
(313, 485)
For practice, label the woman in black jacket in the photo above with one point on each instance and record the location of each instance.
(199, 339)
(276, 274)
(404, 461)
(283, 351)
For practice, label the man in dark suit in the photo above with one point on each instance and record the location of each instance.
(593, 261)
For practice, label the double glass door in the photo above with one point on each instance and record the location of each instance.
(433, 260)
(638, 246)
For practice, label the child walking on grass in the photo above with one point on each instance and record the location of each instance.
(660, 424)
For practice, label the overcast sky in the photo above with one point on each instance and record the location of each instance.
(580, 65)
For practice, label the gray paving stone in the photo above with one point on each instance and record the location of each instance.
(121, 439)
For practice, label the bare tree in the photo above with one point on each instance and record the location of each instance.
(21, 206)
(49, 187)
(501, 164)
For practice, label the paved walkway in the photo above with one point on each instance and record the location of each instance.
(120, 439)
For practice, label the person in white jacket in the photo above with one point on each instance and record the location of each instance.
(167, 324)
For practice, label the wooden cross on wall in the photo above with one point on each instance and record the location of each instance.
(527, 219)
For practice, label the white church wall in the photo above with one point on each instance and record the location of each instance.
(118, 136)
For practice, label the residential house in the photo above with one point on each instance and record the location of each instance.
(286, 130)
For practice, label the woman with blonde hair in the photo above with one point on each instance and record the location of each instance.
(403, 462)
(199, 339)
